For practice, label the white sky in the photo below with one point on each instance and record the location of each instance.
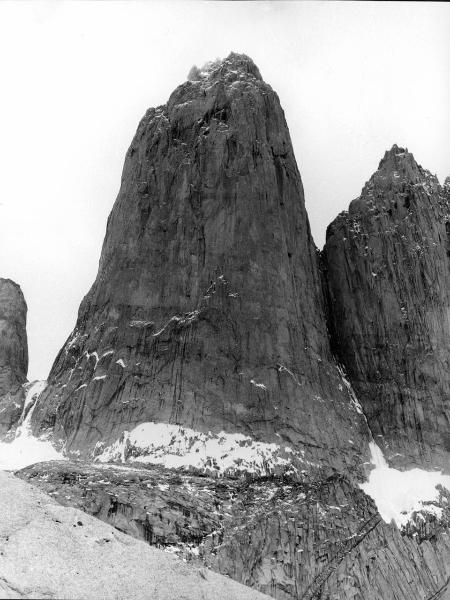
(76, 78)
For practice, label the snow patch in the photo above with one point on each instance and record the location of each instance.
(171, 320)
(33, 393)
(187, 319)
(353, 399)
(282, 368)
(120, 363)
(137, 323)
(180, 447)
(95, 355)
(258, 385)
(398, 494)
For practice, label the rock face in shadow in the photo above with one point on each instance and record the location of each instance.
(13, 353)
(318, 539)
(388, 274)
(208, 310)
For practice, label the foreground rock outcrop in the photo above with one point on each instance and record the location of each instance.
(208, 311)
(13, 353)
(388, 274)
(50, 551)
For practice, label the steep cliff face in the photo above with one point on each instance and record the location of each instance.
(13, 353)
(388, 275)
(207, 312)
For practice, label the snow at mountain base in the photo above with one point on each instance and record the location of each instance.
(25, 449)
(398, 494)
(177, 447)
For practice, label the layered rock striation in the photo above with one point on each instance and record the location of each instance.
(207, 313)
(388, 276)
(13, 353)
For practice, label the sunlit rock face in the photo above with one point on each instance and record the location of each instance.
(13, 353)
(388, 275)
(208, 311)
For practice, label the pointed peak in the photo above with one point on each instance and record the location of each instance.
(398, 164)
(8, 283)
(233, 65)
(396, 156)
(242, 62)
(396, 150)
(397, 168)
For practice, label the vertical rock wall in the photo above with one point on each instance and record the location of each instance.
(207, 311)
(388, 273)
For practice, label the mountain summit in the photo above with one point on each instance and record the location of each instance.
(239, 65)
(207, 317)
